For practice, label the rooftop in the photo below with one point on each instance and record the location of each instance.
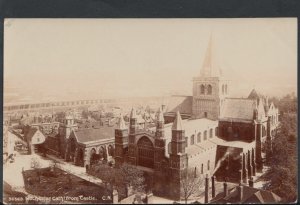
(238, 108)
(95, 134)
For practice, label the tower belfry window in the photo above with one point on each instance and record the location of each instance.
(202, 89)
(209, 89)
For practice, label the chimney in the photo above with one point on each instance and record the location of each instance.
(206, 189)
(251, 182)
(225, 189)
(240, 192)
(115, 197)
(213, 191)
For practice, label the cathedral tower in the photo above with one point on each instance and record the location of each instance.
(209, 88)
(121, 141)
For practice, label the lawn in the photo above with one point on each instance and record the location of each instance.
(61, 187)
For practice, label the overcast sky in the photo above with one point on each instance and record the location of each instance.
(95, 58)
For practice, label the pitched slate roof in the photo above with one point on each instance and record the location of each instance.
(254, 95)
(183, 104)
(250, 195)
(94, 134)
(238, 108)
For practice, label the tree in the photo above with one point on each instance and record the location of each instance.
(130, 177)
(123, 178)
(189, 184)
(282, 174)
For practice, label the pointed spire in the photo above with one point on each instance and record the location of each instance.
(133, 114)
(122, 125)
(160, 116)
(177, 125)
(210, 67)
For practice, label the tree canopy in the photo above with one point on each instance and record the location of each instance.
(282, 175)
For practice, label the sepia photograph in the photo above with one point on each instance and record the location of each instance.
(150, 111)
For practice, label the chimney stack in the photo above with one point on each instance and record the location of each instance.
(213, 191)
(240, 192)
(206, 189)
(225, 189)
(251, 182)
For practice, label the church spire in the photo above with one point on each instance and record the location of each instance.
(177, 125)
(122, 125)
(133, 114)
(210, 67)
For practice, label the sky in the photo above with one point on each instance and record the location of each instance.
(95, 58)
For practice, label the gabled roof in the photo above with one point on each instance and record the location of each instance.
(35, 132)
(238, 108)
(253, 95)
(177, 124)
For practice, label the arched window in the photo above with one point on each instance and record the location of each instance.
(222, 89)
(208, 165)
(211, 133)
(225, 89)
(205, 135)
(209, 89)
(216, 131)
(192, 139)
(229, 131)
(202, 89)
(199, 137)
(202, 171)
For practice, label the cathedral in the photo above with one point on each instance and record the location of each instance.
(239, 130)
